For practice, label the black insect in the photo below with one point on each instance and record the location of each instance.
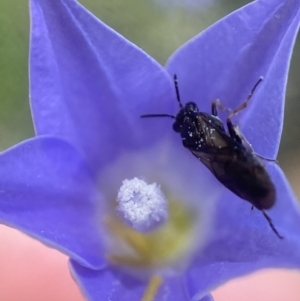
(228, 156)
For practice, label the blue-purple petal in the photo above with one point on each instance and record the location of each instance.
(113, 284)
(225, 61)
(208, 297)
(48, 192)
(89, 85)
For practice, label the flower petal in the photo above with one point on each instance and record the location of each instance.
(90, 85)
(227, 59)
(244, 242)
(47, 191)
(113, 284)
(208, 297)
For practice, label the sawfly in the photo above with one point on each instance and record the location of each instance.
(228, 155)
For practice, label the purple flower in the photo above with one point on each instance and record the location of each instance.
(70, 187)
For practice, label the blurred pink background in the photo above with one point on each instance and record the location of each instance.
(30, 271)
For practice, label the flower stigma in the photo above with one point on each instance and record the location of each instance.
(143, 206)
(160, 250)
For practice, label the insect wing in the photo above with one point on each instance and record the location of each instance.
(215, 162)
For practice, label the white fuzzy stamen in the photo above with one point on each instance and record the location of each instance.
(143, 206)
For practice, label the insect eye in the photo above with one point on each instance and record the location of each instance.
(191, 106)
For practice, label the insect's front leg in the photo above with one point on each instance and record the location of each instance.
(214, 105)
(217, 104)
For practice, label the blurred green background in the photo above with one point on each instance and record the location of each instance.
(158, 29)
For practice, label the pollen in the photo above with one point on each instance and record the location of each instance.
(143, 206)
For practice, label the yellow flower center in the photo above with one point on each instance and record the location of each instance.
(159, 248)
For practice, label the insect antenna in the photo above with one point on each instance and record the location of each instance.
(178, 99)
(177, 91)
(271, 224)
(157, 115)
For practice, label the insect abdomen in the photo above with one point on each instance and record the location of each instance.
(250, 181)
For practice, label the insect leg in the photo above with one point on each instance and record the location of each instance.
(238, 135)
(246, 102)
(217, 104)
(271, 224)
(234, 131)
(266, 159)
